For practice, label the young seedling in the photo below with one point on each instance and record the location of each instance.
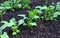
(49, 12)
(16, 3)
(13, 25)
(7, 5)
(32, 16)
(25, 4)
(10, 4)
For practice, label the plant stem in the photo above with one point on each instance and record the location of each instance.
(1, 19)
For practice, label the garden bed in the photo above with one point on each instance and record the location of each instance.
(44, 29)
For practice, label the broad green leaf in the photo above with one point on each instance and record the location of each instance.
(58, 6)
(17, 31)
(40, 12)
(33, 24)
(43, 8)
(21, 21)
(18, 1)
(1, 7)
(56, 14)
(38, 7)
(8, 7)
(26, 1)
(36, 17)
(1, 11)
(4, 25)
(8, 24)
(22, 15)
(33, 13)
(19, 5)
(52, 7)
(13, 21)
(14, 33)
(4, 35)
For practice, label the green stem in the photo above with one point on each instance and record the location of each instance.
(1, 19)
(29, 21)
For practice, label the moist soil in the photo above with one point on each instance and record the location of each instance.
(44, 29)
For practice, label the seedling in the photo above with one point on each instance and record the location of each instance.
(10, 4)
(32, 16)
(13, 25)
(7, 5)
(49, 13)
(16, 3)
(25, 4)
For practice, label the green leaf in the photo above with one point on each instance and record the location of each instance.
(4, 25)
(14, 33)
(17, 31)
(8, 24)
(38, 7)
(33, 13)
(58, 6)
(7, 7)
(44, 7)
(20, 22)
(18, 1)
(22, 15)
(36, 17)
(40, 12)
(13, 21)
(4, 35)
(33, 24)
(1, 7)
(19, 5)
(25, 4)
(56, 14)
(52, 7)
(26, 1)
(41, 8)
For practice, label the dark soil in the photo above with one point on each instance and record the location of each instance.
(45, 29)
